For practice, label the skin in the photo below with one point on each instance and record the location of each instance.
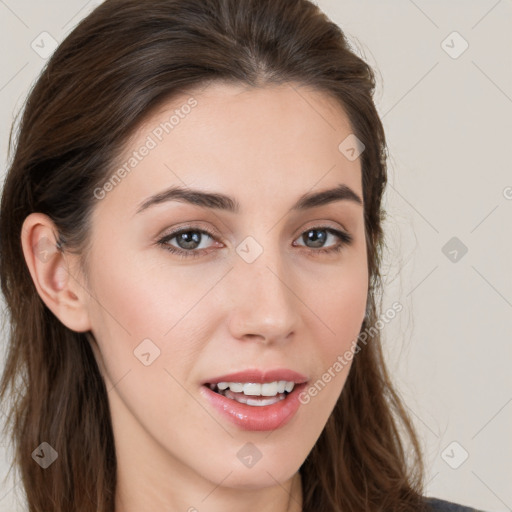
(216, 313)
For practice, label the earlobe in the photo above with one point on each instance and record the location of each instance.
(52, 271)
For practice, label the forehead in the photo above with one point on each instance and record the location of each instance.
(268, 140)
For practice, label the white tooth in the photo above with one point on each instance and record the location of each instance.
(269, 389)
(289, 386)
(222, 385)
(280, 386)
(236, 387)
(251, 388)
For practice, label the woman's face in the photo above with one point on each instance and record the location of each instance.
(255, 283)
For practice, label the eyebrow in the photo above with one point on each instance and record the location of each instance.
(223, 202)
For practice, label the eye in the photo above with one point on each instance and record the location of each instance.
(187, 241)
(319, 235)
(191, 241)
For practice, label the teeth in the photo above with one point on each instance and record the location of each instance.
(260, 402)
(256, 389)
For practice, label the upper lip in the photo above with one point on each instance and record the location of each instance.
(259, 376)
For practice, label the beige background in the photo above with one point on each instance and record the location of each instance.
(448, 118)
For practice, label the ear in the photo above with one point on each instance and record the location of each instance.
(53, 272)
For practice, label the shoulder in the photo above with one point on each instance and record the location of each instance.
(438, 505)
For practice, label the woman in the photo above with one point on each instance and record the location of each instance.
(197, 191)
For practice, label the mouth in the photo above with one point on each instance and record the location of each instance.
(253, 393)
(253, 405)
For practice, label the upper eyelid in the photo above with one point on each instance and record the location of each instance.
(320, 224)
(174, 233)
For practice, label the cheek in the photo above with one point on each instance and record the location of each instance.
(143, 306)
(341, 305)
(339, 295)
(146, 298)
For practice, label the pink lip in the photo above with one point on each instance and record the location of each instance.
(259, 376)
(248, 417)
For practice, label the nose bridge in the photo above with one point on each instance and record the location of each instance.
(264, 304)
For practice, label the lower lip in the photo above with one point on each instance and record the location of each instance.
(249, 417)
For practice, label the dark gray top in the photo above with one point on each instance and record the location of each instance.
(437, 505)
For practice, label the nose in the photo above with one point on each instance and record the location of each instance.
(264, 304)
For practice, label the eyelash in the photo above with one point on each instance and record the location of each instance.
(345, 239)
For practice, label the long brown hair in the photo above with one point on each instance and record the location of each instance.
(115, 68)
